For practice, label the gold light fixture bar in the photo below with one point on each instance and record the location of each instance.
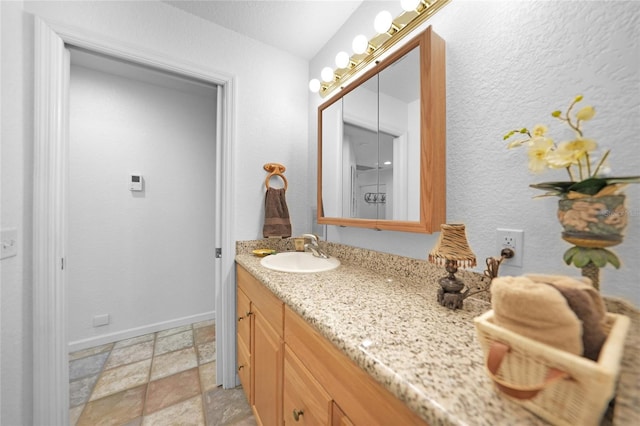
(400, 28)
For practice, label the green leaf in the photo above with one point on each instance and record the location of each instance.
(612, 258)
(623, 179)
(581, 258)
(561, 187)
(598, 257)
(590, 186)
(568, 255)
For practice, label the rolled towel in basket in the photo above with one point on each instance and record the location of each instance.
(537, 311)
(276, 214)
(586, 302)
(560, 311)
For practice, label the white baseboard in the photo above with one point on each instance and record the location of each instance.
(90, 342)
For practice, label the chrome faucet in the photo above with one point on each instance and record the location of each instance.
(313, 246)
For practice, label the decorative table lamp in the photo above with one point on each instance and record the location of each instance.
(452, 251)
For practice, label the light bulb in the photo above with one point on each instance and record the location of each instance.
(409, 5)
(342, 60)
(360, 44)
(326, 74)
(383, 21)
(314, 85)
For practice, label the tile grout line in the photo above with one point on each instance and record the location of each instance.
(200, 386)
(102, 369)
(146, 390)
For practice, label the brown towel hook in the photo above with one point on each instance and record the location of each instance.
(275, 169)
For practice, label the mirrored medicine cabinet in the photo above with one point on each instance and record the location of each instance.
(381, 144)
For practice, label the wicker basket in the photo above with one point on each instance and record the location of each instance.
(560, 387)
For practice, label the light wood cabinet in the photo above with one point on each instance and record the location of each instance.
(305, 401)
(267, 371)
(297, 377)
(360, 398)
(264, 318)
(244, 342)
(339, 418)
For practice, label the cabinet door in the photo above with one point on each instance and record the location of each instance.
(244, 342)
(305, 401)
(244, 319)
(244, 369)
(339, 418)
(267, 357)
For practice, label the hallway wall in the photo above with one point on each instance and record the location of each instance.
(144, 258)
(270, 125)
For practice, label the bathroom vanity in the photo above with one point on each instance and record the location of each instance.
(367, 343)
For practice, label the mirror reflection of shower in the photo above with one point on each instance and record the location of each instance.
(371, 154)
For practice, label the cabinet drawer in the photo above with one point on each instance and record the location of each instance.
(244, 369)
(244, 319)
(305, 401)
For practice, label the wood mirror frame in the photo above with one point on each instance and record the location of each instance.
(432, 139)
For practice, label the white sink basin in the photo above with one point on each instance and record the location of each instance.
(300, 262)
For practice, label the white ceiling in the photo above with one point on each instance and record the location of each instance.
(300, 27)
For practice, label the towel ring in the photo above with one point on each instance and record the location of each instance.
(275, 169)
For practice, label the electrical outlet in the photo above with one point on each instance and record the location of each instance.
(100, 320)
(514, 240)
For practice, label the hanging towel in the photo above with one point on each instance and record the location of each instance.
(276, 214)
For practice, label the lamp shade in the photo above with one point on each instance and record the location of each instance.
(453, 246)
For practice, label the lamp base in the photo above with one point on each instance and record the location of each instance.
(450, 292)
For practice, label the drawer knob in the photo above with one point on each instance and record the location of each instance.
(297, 414)
(240, 319)
(240, 367)
(249, 314)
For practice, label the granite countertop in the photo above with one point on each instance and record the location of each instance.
(381, 311)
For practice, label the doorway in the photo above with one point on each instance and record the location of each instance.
(51, 158)
(141, 203)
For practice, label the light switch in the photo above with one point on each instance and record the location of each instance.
(8, 243)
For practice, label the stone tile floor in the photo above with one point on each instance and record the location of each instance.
(163, 378)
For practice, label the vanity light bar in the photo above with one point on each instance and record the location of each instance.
(400, 27)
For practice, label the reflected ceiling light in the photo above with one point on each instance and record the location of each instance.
(410, 5)
(326, 74)
(383, 21)
(314, 85)
(342, 60)
(387, 163)
(360, 44)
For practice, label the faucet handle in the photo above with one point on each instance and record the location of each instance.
(312, 237)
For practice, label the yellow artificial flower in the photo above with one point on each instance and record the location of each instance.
(561, 158)
(580, 146)
(515, 144)
(539, 130)
(578, 156)
(586, 113)
(539, 147)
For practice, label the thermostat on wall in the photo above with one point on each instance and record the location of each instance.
(135, 182)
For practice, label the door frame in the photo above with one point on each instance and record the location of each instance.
(51, 118)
